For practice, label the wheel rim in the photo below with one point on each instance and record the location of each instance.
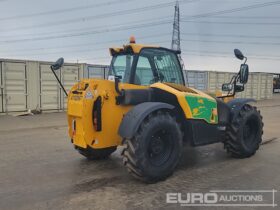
(160, 147)
(250, 131)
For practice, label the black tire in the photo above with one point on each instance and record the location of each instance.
(244, 134)
(155, 150)
(96, 154)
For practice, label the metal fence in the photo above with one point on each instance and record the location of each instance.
(96, 71)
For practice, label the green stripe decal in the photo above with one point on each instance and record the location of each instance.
(203, 108)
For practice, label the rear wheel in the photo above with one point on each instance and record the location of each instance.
(154, 152)
(244, 135)
(95, 154)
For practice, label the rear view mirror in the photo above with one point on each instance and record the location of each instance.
(239, 87)
(227, 87)
(244, 73)
(238, 54)
(58, 64)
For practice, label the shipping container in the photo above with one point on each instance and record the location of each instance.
(14, 83)
(1, 90)
(49, 88)
(69, 76)
(259, 86)
(216, 79)
(52, 96)
(31, 85)
(196, 79)
(276, 83)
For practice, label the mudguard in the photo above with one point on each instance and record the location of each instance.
(132, 120)
(236, 105)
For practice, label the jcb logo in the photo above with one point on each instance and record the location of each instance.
(76, 98)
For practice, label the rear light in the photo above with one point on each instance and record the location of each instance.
(95, 121)
(96, 114)
(73, 127)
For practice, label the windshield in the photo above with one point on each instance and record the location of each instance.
(121, 66)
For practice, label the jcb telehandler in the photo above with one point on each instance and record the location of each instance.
(146, 106)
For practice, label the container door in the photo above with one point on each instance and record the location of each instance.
(49, 89)
(269, 86)
(201, 80)
(70, 76)
(1, 90)
(254, 85)
(189, 78)
(212, 81)
(14, 79)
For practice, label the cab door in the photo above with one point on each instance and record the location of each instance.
(158, 65)
(144, 74)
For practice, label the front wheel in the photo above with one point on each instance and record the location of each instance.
(154, 152)
(244, 134)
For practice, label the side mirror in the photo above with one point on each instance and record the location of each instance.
(238, 54)
(244, 73)
(117, 81)
(239, 87)
(227, 87)
(58, 64)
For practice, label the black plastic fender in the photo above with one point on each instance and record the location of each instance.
(236, 105)
(132, 120)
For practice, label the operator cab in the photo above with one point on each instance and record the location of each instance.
(145, 65)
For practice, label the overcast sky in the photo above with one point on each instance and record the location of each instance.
(84, 30)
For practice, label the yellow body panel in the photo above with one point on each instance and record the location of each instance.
(228, 99)
(225, 98)
(80, 106)
(181, 96)
(80, 110)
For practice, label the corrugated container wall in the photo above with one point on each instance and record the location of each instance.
(31, 85)
(14, 89)
(196, 79)
(52, 96)
(259, 86)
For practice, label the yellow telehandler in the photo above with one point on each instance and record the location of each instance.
(146, 106)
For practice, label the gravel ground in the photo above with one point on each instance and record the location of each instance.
(39, 169)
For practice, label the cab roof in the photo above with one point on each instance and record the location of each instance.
(130, 48)
(133, 48)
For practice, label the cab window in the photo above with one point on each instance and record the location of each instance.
(144, 73)
(121, 66)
